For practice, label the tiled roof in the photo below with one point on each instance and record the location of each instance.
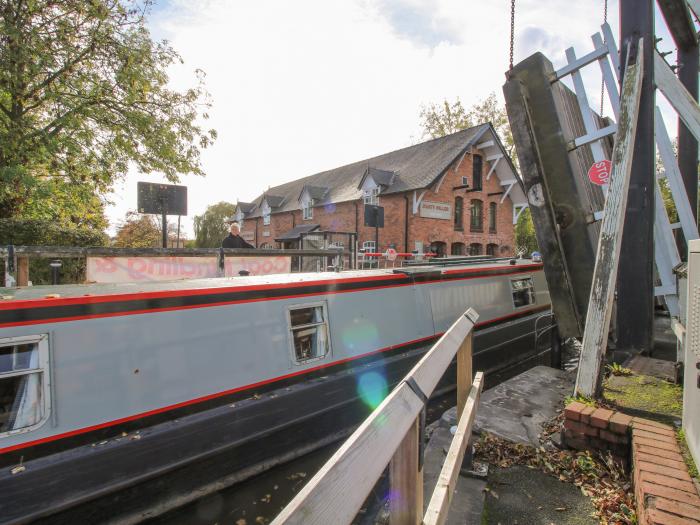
(414, 167)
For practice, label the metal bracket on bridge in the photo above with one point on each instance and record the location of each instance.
(421, 427)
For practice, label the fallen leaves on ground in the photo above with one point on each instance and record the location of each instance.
(600, 478)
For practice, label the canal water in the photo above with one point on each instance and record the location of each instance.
(258, 500)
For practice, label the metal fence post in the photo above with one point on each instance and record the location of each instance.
(11, 267)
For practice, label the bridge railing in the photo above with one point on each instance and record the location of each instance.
(393, 435)
(16, 258)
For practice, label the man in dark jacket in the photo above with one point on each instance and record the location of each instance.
(234, 240)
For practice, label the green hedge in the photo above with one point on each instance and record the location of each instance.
(46, 233)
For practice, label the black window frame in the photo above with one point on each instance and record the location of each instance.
(459, 214)
(477, 172)
(476, 226)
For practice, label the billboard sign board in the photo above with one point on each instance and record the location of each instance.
(436, 210)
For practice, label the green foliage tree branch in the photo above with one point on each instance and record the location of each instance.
(210, 228)
(83, 96)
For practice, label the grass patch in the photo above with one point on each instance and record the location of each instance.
(645, 396)
(685, 451)
(588, 401)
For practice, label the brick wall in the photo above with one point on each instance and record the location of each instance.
(664, 492)
(349, 217)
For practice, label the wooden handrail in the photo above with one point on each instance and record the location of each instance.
(390, 434)
(442, 495)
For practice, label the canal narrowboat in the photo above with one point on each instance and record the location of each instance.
(119, 402)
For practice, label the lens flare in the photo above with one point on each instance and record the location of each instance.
(372, 388)
(361, 336)
(330, 207)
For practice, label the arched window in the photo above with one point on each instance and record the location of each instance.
(477, 216)
(475, 248)
(492, 217)
(439, 248)
(491, 249)
(477, 167)
(457, 248)
(459, 213)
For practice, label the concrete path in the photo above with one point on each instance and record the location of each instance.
(516, 409)
(522, 496)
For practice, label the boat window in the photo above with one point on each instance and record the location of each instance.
(308, 325)
(523, 292)
(23, 383)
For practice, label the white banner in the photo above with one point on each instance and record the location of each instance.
(436, 210)
(144, 269)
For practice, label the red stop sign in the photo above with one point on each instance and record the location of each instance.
(599, 173)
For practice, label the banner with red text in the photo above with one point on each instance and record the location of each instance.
(144, 269)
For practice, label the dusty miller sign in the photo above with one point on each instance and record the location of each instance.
(436, 210)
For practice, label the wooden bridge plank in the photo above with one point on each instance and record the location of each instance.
(605, 272)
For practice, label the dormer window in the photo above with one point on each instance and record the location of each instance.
(308, 210)
(266, 218)
(371, 196)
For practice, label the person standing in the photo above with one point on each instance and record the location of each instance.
(234, 239)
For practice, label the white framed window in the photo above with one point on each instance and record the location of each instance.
(369, 247)
(24, 383)
(266, 218)
(523, 291)
(371, 196)
(308, 210)
(465, 181)
(309, 333)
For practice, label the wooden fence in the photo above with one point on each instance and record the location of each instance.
(392, 435)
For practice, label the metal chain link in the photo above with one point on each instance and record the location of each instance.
(512, 30)
(602, 82)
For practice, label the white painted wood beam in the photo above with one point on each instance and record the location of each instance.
(417, 199)
(586, 112)
(485, 144)
(609, 78)
(684, 104)
(460, 161)
(507, 192)
(576, 64)
(494, 157)
(493, 167)
(675, 179)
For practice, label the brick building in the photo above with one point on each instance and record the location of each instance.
(455, 195)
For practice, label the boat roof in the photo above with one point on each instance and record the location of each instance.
(8, 295)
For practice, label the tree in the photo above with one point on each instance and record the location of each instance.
(445, 118)
(525, 238)
(83, 96)
(450, 117)
(210, 228)
(138, 231)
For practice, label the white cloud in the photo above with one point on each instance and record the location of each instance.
(299, 87)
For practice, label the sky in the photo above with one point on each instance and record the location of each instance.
(305, 86)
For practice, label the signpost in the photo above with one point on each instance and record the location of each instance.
(374, 217)
(163, 200)
(599, 172)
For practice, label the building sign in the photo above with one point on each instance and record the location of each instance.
(147, 269)
(248, 236)
(266, 233)
(436, 210)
